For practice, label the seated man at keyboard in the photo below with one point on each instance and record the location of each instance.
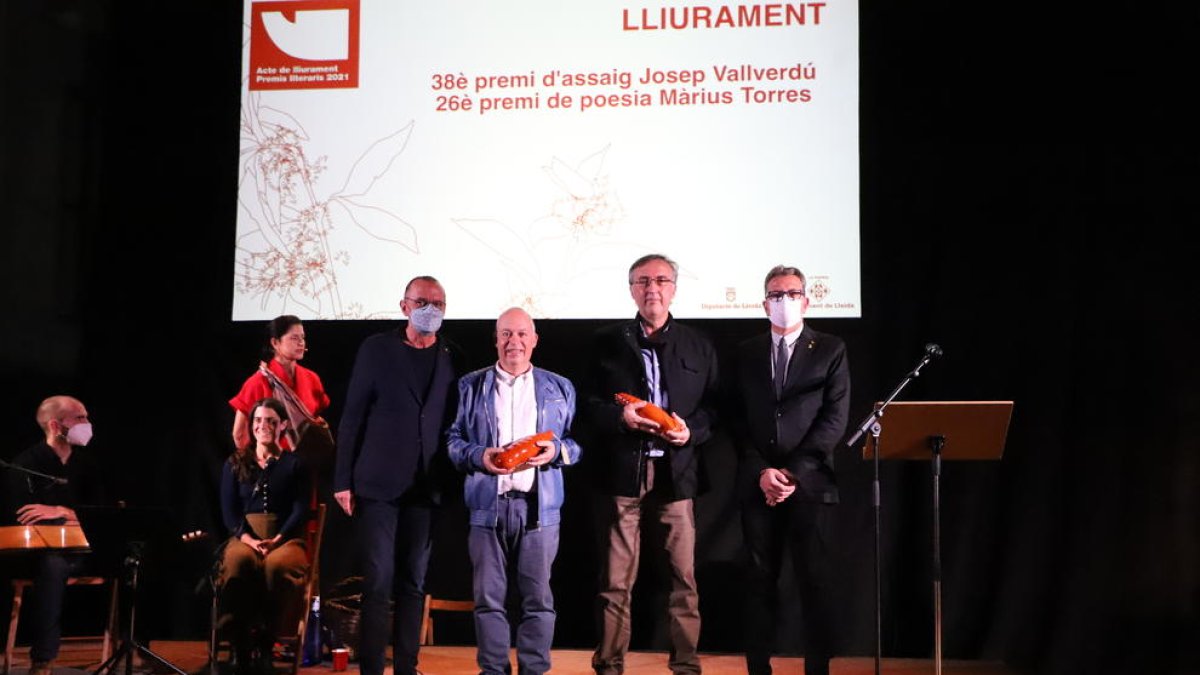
(44, 485)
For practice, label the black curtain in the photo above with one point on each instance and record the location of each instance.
(1029, 191)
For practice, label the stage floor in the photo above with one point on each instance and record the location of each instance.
(191, 657)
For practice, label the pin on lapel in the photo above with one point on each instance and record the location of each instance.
(812, 343)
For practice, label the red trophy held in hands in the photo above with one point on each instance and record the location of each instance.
(520, 451)
(650, 411)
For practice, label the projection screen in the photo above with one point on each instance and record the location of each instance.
(525, 152)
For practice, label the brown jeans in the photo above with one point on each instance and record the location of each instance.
(261, 591)
(671, 533)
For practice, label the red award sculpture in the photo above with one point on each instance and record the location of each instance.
(520, 451)
(650, 412)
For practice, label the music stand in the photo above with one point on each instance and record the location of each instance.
(121, 538)
(931, 430)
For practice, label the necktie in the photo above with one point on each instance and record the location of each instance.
(781, 362)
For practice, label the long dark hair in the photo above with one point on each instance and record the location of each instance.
(245, 460)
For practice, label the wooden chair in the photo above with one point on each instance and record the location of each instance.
(217, 645)
(110, 627)
(438, 604)
(312, 586)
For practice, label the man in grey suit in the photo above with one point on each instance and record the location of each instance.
(794, 387)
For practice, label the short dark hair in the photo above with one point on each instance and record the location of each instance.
(785, 271)
(414, 280)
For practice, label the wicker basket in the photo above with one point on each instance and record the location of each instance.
(342, 612)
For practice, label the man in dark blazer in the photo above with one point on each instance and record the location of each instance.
(794, 389)
(644, 470)
(391, 459)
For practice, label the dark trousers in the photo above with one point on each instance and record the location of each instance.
(395, 540)
(805, 529)
(46, 603)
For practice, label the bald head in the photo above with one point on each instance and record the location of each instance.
(515, 339)
(57, 414)
(57, 408)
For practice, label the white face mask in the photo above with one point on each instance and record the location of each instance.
(80, 434)
(785, 313)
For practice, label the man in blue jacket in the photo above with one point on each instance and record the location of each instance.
(514, 513)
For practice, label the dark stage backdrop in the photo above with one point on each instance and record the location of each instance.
(1029, 185)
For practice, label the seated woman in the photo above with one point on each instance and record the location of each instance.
(264, 496)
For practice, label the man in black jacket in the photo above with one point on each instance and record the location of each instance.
(647, 471)
(794, 388)
(391, 459)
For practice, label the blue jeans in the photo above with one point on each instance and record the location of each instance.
(395, 536)
(506, 551)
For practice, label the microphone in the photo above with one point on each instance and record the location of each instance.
(932, 349)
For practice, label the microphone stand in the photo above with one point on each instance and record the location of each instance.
(37, 474)
(871, 423)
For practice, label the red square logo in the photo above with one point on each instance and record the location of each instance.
(304, 44)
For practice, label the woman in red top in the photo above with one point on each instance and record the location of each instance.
(284, 349)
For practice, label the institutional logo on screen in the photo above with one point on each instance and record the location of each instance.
(304, 44)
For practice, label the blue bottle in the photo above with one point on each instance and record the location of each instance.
(312, 635)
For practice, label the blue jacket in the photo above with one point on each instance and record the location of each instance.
(474, 430)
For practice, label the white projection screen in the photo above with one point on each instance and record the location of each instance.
(525, 152)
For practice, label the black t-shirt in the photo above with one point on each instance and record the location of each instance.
(82, 474)
(422, 361)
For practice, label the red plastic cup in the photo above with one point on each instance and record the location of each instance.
(341, 659)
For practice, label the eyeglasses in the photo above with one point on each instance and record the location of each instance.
(645, 282)
(422, 303)
(778, 296)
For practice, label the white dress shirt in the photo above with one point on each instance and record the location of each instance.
(516, 418)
